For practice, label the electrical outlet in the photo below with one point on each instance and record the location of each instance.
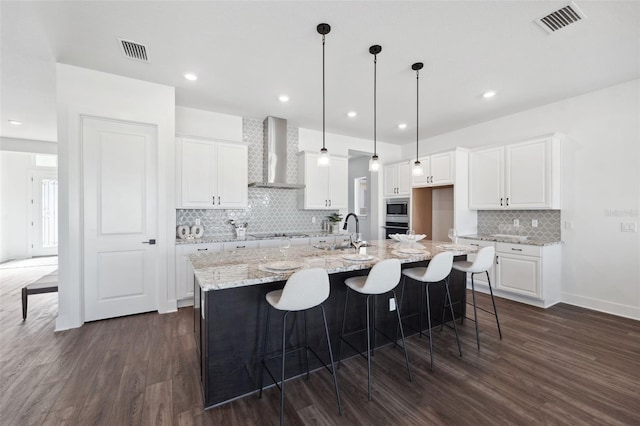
(392, 304)
(628, 227)
(313, 219)
(516, 222)
(198, 222)
(534, 223)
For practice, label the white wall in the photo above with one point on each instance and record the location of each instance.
(14, 205)
(85, 92)
(207, 124)
(601, 170)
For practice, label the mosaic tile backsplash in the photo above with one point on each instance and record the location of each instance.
(501, 222)
(269, 209)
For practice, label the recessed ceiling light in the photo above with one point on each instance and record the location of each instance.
(352, 114)
(283, 98)
(402, 126)
(488, 95)
(15, 122)
(190, 76)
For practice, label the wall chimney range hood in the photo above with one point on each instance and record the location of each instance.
(274, 165)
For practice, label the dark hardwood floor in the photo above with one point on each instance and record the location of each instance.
(563, 365)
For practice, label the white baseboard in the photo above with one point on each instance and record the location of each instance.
(632, 312)
(185, 302)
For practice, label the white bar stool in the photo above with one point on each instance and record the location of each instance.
(437, 271)
(383, 278)
(304, 290)
(482, 264)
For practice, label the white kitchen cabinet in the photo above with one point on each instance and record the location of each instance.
(397, 179)
(240, 245)
(326, 188)
(329, 239)
(522, 272)
(184, 271)
(437, 170)
(212, 175)
(479, 278)
(518, 176)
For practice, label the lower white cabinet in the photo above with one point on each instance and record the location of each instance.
(184, 271)
(240, 245)
(480, 279)
(525, 273)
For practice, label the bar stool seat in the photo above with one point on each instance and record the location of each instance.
(437, 271)
(383, 278)
(304, 290)
(483, 262)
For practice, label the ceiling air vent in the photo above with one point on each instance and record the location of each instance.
(133, 50)
(561, 18)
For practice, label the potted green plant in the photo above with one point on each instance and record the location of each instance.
(335, 219)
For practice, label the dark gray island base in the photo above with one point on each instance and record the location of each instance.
(230, 328)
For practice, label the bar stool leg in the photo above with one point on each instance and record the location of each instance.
(373, 320)
(264, 350)
(344, 320)
(422, 290)
(368, 349)
(24, 304)
(475, 311)
(306, 344)
(333, 366)
(284, 352)
(495, 311)
(453, 319)
(426, 290)
(404, 343)
(398, 306)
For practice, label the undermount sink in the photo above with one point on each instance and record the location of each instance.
(341, 246)
(511, 237)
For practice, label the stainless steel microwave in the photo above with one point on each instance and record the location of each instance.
(397, 208)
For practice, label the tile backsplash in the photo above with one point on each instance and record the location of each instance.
(501, 222)
(269, 209)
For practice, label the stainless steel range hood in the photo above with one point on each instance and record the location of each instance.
(275, 156)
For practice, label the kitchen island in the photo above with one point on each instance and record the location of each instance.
(230, 309)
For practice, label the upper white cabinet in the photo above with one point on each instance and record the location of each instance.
(326, 188)
(397, 179)
(437, 169)
(212, 175)
(519, 176)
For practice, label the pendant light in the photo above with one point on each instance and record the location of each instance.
(417, 167)
(323, 159)
(374, 164)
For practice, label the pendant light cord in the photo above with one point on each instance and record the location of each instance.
(375, 79)
(323, 96)
(417, 115)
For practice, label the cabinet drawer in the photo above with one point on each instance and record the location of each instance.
(475, 243)
(239, 245)
(522, 249)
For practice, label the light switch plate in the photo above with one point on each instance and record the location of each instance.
(392, 304)
(534, 223)
(628, 227)
(516, 222)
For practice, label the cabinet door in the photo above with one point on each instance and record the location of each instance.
(316, 181)
(199, 173)
(425, 179)
(442, 169)
(184, 271)
(404, 178)
(518, 274)
(389, 187)
(528, 175)
(339, 183)
(232, 176)
(486, 179)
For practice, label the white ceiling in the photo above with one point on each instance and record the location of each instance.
(248, 53)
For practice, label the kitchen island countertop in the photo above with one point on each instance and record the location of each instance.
(218, 271)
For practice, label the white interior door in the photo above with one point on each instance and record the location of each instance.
(44, 213)
(120, 263)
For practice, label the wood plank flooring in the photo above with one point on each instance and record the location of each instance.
(563, 365)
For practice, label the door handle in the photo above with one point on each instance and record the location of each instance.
(500, 201)
(204, 249)
(218, 200)
(507, 201)
(515, 249)
(329, 203)
(213, 200)
(151, 242)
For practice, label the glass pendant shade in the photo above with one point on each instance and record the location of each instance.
(374, 164)
(417, 169)
(323, 159)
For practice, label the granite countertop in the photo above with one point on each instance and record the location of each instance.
(256, 237)
(218, 271)
(512, 240)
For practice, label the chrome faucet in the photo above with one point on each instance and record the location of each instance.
(346, 219)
